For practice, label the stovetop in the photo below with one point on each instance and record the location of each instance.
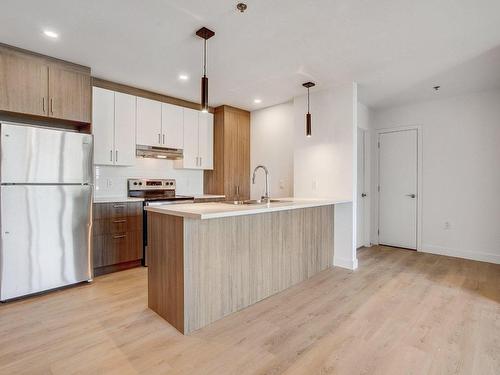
(154, 190)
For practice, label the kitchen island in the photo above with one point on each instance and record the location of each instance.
(208, 260)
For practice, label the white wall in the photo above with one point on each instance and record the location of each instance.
(112, 181)
(271, 144)
(325, 163)
(460, 172)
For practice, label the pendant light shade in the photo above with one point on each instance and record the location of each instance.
(205, 34)
(308, 85)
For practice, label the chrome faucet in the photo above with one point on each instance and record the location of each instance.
(265, 197)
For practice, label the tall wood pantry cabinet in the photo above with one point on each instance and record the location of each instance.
(231, 173)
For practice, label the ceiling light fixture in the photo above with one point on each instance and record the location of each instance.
(308, 85)
(51, 34)
(183, 77)
(436, 88)
(205, 34)
(257, 101)
(241, 7)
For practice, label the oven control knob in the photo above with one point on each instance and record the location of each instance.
(135, 183)
(140, 183)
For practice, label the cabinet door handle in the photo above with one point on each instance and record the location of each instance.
(110, 155)
(119, 221)
(118, 206)
(116, 156)
(159, 138)
(119, 236)
(51, 105)
(163, 138)
(201, 161)
(43, 104)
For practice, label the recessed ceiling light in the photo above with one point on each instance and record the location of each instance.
(257, 101)
(183, 77)
(51, 34)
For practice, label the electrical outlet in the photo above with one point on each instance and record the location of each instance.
(447, 225)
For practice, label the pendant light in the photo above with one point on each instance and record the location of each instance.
(205, 34)
(308, 85)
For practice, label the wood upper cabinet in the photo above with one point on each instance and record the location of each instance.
(33, 84)
(231, 165)
(23, 84)
(69, 94)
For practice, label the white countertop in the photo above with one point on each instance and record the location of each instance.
(219, 209)
(116, 199)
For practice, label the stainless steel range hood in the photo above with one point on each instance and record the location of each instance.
(158, 152)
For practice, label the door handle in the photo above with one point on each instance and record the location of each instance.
(52, 105)
(411, 195)
(116, 156)
(201, 160)
(118, 206)
(163, 138)
(120, 236)
(43, 104)
(119, 221)
(159, 138)
(363, 195)
(110, 155)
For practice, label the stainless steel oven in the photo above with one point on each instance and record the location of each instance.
(155, 192)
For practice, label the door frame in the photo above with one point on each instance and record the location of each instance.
(420, 197)
(367, 188)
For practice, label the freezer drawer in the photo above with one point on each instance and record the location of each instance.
(45, 241)
(31, 155)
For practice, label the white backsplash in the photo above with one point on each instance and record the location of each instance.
(112, 181)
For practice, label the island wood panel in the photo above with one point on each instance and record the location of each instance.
(166, 267)
(233, 262)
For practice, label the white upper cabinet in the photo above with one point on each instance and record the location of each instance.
(190, 157)
(198, 140)
(125, 110)
(149, 122)
(172, 126)
(113, 126)
(103, 113)
(206, 140)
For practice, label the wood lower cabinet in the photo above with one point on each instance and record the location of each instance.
(231, 173)
(37, 85)
(117, 236)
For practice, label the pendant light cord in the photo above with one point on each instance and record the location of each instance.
(308, 101)
(205, 58)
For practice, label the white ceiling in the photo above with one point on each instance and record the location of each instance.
(395, 49)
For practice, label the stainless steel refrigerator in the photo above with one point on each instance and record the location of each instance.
(46, 209)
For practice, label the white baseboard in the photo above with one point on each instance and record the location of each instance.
(472, 255)
(345, 263)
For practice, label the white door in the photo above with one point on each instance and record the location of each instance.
(190, 159)
(398, 188)
(103, 107)
(125, 108)
(360, 213)
(172, 126)
(206, 140)
(148, 122)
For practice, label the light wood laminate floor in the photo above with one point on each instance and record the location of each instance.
(401, 312)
